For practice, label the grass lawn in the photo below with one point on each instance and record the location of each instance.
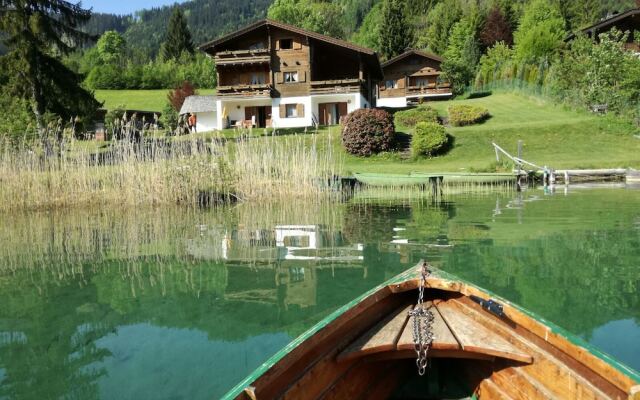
(143, 100)
(551, 135)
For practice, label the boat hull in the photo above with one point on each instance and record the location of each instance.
(366, 350)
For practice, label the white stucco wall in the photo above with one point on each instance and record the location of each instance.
(206, 121)
(394, 102)
(299, 122)
(236, 108)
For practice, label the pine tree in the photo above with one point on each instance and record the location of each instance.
(395, 30)
(178, 37)
(36, 33)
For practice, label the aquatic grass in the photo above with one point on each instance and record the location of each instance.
(159, 172)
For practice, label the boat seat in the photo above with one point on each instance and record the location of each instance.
(456, 335)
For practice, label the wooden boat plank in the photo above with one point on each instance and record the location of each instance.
(477, 338)
(520, 385)
(382, 337)
(561, 374)
(443, 338)
(490, 391)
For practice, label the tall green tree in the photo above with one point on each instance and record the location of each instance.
(37, 33)
(111, 47)
(441, 20)
(178, 37)
(540, 32)
(318, 16)
(395, 31)
(461, 56)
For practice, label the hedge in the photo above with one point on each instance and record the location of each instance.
(428, 139)
(410, 118)
(368, 131)
(462, 114)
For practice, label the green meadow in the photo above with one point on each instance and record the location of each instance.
(142, 100)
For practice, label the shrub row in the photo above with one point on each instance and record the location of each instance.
(428, 139)
(410, 118)
(462, 114)
(368, 131)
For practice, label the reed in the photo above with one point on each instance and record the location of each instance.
(162, 171)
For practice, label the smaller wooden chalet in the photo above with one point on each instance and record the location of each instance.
(410, 77)
(628, 21)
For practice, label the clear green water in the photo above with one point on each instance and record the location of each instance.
(174, 304)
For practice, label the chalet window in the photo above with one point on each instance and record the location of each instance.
(291, 110)
(391, 84)
(422, 82)
(256, 46)
(286, 44)
(257, 78)
(290, 77)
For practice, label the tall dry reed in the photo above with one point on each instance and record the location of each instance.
(163, 171)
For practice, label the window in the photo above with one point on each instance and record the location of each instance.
(257, 78)
(286, 44)
(391, 84)
(422, 82)
(257, 46)
(290, 77)
(291, 110)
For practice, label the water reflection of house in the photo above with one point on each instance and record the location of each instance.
(284, 242)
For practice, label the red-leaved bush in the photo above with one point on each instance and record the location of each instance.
(368, 131)
(176, 97)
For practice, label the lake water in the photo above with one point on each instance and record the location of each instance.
(176, 304)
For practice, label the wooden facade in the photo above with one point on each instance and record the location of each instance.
(413, 74)
(628, 22)
(276, 60)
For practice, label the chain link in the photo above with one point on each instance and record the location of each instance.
(422, 324)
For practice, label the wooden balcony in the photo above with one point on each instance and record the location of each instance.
(243, 57)
(337, 86)
(259, 90)
(429, 90)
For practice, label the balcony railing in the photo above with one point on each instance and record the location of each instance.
(337, 86)
(259, 90)
(430, 89)
(236, 57)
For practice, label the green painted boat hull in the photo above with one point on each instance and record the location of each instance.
(452, 177)
(372, 179)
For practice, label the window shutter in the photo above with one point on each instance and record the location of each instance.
(297, 45)
(302, 76)
(278, 44)
(283, 111)
(300, 110)
(280, 77)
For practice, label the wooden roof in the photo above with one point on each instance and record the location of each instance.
(371, 55)
(604, 23)
(409, 53)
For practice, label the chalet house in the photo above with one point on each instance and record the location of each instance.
(272, 74)
(628, 21)
(409, 77)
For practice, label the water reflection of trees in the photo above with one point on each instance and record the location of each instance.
(66, 280)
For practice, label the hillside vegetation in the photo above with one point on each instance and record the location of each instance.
(552, 136)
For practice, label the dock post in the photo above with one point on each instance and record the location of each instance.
(566, 177)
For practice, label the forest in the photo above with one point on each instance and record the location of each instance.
(483, 42)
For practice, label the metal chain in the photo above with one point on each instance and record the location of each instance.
(422, 324)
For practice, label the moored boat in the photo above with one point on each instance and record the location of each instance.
(383, 179)
(473, 177)
(427, 335)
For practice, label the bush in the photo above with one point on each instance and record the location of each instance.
(462, 114)
(428, 139)
(368, 131)
(410, 118)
